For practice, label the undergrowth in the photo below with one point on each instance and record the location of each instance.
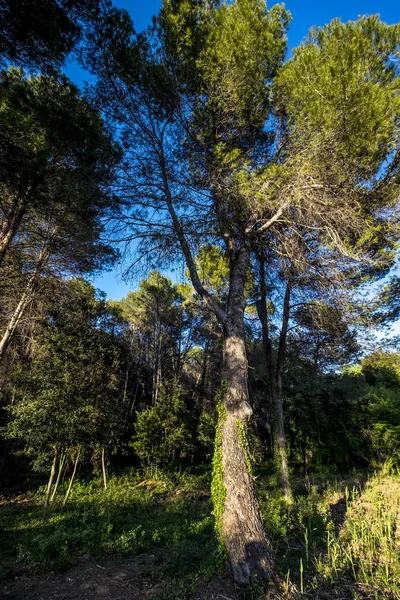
(340, 539)
(169, 516)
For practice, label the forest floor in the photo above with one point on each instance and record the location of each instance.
(153, 538)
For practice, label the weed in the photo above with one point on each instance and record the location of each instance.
(335, 542)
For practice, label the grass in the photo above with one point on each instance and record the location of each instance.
(170, 517)
(364, 558)
(341, 539)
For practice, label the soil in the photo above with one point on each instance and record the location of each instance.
(90, 579)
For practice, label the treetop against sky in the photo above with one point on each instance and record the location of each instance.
(305, 14)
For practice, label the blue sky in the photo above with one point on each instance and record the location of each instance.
(305, 14)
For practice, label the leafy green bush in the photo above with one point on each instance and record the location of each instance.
(162, 432)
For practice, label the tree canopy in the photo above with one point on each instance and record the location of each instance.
(271, 184)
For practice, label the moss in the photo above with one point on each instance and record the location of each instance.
(218, 490)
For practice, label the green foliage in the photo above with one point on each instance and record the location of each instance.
(213, 268)
(320, 134)
(216, 40)
(347, 419)
(56, 170)
(68, 394)
(382, 369)
(206, 431)
(40, 33)
(166, 517)
(341, 86)
(218, 490)
(244, 442)
(343, 536)
(162, 432)
(382, 405)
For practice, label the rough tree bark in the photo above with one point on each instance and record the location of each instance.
(243, 531)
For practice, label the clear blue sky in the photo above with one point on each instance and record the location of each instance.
(305, 13)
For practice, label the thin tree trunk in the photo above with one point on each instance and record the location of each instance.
(11, 223)
(280, 428)
(275, 376)
(156, 358)
(305, 462)
(72, 476)
(129, 366)
(18, 312)
(25, 298)
(267, 347)
(125, 392)
(200, 384)
(134, 397)
(243, 532)
(60, 468)
(103, 468)
(52, 473)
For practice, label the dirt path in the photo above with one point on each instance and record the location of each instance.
(133, 579)
(87, 580)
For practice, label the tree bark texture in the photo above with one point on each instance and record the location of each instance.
(243, 531)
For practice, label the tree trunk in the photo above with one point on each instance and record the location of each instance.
(157, 356)
(103, 468)
(275, 375)
(242, 530)
(243, 533)
(26, 297)
(11, 223)
(60, 468)
(305, 462)
(280, 428)
(16, 316)
(52, 473)
(72, 476)
(281, 440)
(201, 379)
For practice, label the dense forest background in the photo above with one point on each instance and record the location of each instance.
(269, 369)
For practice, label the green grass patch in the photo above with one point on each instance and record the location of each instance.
(339, 539)
(169, 517)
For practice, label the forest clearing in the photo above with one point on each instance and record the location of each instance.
(154, 539)
(223, 420)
